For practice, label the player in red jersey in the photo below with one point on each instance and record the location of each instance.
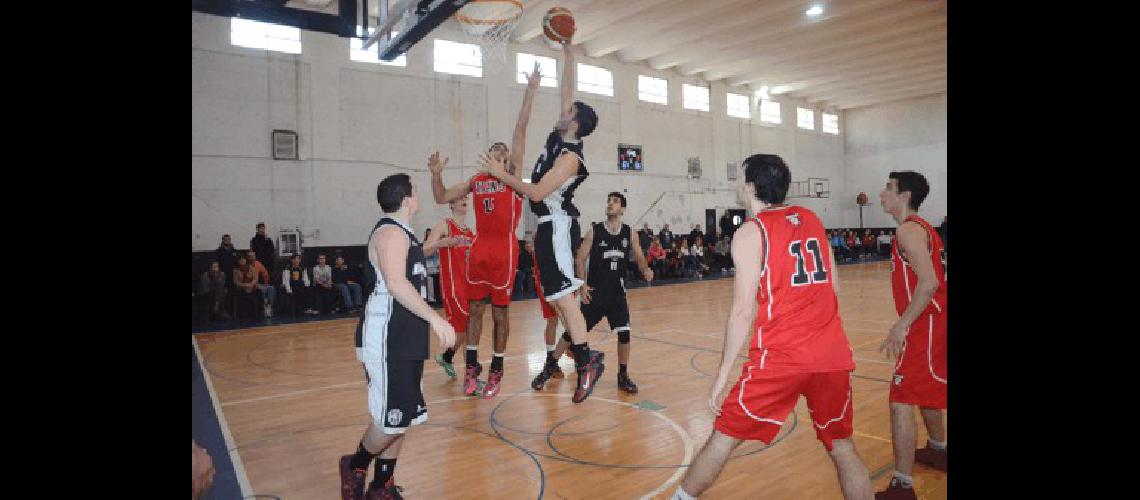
(786, 280)
(493, 260)
(454, 239)
(918, 338)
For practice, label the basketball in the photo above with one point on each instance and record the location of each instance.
(861, 199)
(558, 26)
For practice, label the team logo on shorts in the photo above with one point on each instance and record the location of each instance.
(394, 416)
(624, 242)
(898, 379)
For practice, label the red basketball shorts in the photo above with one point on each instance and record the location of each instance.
(920, 373)
(761, 400)
(491, 269)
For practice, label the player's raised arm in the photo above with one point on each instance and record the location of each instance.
(444, 195)
(518, 141)
(390, 250)
(569, 80)
(746, 253)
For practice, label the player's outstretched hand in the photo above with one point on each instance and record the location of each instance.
(648, 275)
(585, 293)
(893, 345)
(434, 164)
(535, 77)
(494, 166)
(444, 331)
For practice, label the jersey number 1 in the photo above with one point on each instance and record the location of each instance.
(801, 276)
(488, 205)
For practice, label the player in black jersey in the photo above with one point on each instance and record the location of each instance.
(392, 341)
(607, 245)
(557, 173)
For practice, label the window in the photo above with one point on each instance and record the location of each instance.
(805, 118)
(545, 64)
(257, 35)
(831, 123)
(458, 58)
(769, 111)
(372, 55)
(738, 106)
(694, 97)
(595, 80)
(651, 89)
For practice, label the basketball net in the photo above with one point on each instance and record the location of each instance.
(489, 24)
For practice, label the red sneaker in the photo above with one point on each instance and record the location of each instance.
(351, 480)
(494, 378)
(471, 383)
(588, 376)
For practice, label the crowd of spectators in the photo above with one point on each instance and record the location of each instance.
(242, 282)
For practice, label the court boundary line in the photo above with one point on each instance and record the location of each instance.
(235, 457)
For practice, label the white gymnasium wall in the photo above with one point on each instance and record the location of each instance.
(903, 135)
(359, 122)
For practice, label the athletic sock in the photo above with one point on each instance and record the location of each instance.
(449, 355)
(362, 457)
(472, 355)
(385, 467)
(581, 354)
(621, 369)
(550, 354)
(936, 445)
(906, 480)
(497, 362)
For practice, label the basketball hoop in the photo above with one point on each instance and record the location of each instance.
(489, 24)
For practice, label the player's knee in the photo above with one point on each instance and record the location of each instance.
(623, 336)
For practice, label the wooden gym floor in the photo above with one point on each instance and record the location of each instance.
(293, 397)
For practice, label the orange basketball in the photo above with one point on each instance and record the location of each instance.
(558, 26)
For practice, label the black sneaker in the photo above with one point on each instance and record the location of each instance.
(931, 457)
(540, 380)
(625, 384)
(588, 376)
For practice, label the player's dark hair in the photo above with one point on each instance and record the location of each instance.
(392, 191)
(503, 144)
(769, 175)
(586, 117)
(259, 224)
(619, 196)
(914, 182)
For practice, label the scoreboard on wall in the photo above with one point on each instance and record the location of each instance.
(629, 157)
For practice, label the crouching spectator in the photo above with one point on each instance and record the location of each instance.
(346, 282)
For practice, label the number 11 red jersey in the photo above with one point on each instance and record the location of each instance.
(797, 326)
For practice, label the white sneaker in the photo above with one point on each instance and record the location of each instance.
(268, 311)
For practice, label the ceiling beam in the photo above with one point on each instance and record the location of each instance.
(938, 81)
(931, 28)
(889, 94)
(848, 105)
(763, 45)
(934, 63)
(844, 31)
(925, 53)
(695, 21)
(885, 78)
